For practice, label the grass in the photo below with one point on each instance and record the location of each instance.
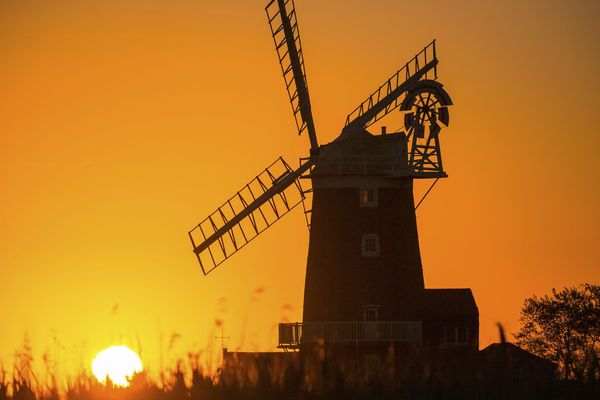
(259, 377)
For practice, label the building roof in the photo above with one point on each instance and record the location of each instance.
(496, 351)
(450, 302)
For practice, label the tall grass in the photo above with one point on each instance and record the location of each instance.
(285, 376)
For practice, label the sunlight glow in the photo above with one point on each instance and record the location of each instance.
(119, 363)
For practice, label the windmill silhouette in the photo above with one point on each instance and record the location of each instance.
(364, 278)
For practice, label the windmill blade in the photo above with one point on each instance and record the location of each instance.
(387, 97)
(286, 35)
(257, 206)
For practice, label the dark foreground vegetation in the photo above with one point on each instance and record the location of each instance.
(259, 381)
(561, 333)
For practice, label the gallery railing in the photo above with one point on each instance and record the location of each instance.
(291, 335)
(360, 165)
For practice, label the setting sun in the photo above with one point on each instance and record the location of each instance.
(119, 363)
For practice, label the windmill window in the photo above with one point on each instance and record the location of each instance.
(456, 335)
(370, 245)
(370, 313)
(368, 197)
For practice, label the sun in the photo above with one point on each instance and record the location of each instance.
(119, 363)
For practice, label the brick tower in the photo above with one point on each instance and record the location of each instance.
(363, 259)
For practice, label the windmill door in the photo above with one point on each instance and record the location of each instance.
(370, 322)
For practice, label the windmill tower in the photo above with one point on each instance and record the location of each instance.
(364, 278)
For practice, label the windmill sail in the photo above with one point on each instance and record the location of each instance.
(387, 97)
(259, 204)
(286, 35)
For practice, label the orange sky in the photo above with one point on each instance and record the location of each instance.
(123, 123)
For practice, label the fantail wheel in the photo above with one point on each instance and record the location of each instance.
(424, 108)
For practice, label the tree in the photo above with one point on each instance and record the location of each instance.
(565, 328)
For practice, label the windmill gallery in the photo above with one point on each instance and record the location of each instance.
(364, 298)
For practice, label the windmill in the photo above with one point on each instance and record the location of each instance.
(363, 260)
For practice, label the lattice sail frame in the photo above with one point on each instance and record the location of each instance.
(389, 96)
(286, 37)
(254, 208)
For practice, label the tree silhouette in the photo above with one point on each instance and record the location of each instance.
(565, 328)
